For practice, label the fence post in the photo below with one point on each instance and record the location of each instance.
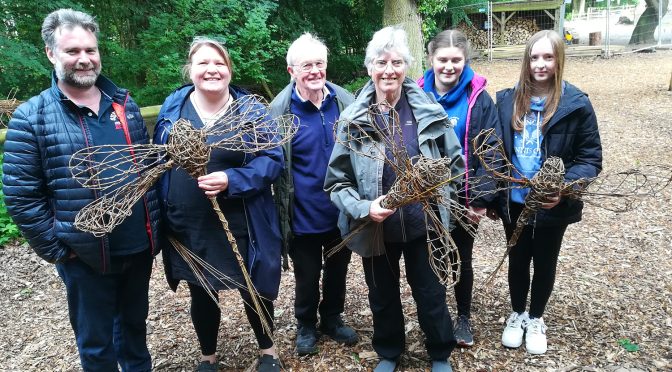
(607, 40)
(660, 23)
(490, 22)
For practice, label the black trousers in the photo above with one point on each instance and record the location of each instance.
(464, 288)
(540, 245)
(382, 278)
(206, 315)
(308, 253)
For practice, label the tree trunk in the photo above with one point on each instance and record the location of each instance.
(647, 23)
(582, 7)
(404, 13)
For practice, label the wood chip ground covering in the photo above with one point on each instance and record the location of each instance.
(614, 280)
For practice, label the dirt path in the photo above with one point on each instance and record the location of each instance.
(614, 275)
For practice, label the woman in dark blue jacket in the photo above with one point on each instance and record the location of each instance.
(242, 184)
(542, 116)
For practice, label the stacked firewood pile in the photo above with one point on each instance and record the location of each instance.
(518, 31)
(477, 38)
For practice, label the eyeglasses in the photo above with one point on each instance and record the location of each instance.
(381, 65)
(308, 66)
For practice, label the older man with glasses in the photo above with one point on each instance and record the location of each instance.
(308, 218)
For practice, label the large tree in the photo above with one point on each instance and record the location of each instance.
(647, 23)
(404, 13)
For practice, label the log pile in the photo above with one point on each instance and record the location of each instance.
(477, 38)
(517, 31)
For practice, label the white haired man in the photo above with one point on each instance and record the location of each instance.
(308, 218)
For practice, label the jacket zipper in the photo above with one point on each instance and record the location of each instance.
(324, 129)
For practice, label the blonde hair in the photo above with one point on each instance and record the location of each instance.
(198, 43)
(523, 93)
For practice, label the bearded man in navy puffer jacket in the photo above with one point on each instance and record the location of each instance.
(106, 278)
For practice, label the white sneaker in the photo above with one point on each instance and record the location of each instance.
(514, 330)
(535, 339)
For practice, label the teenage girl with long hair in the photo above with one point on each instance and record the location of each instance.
(542, 116)
(470, 109)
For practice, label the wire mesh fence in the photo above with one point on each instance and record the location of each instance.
(499, 29)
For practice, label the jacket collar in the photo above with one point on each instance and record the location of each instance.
(104, 84)
(570, 101)
(429, 114)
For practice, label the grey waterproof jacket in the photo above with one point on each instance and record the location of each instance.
(354, 180)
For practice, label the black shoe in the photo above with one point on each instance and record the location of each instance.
(462, 331)
(268, 364)
(338, 331)
(205, 366)
(306, 339)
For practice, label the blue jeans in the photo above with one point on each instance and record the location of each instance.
(108, 312)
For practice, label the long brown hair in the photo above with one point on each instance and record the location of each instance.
(523, 92)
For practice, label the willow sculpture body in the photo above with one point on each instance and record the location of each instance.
(420, 180)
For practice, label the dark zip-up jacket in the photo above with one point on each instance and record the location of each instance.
(571, 134)
(284, 187)
(41, 195)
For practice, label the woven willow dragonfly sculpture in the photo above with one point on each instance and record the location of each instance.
(619, 191)
(244, 127)
(419, 179)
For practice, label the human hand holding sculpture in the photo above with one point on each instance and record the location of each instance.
(213, 183)
(378, 213)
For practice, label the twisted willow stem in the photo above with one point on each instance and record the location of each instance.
(248, 281)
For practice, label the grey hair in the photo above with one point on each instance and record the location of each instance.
(385, 40)
(305, 42)
(69, 19)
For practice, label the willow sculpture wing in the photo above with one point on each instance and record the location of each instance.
(101, 167)
(247, 127)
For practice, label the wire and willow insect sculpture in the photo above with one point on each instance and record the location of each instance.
(619, 191)
(419, 179)
(7, 107)
(244, 127)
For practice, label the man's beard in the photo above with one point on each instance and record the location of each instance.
(69, 75)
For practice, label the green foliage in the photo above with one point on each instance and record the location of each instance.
(8, 230)
(143, 43)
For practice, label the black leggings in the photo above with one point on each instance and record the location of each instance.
(205, 315)
(540, 245)
(464, 288)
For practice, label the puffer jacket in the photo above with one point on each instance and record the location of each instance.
(284, 187)
(571, 134)
(41, 195)
(354, 180)
(250, 182)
